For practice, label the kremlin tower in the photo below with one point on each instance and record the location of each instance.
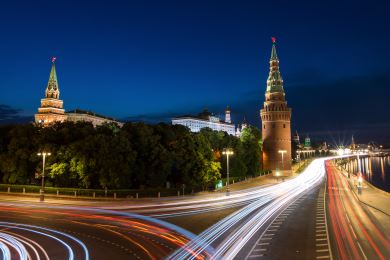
(51, 109)
(275, 118)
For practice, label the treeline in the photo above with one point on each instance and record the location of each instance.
(134, 156)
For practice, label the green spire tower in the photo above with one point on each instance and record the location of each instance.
(275, 118)
(52, 90)
(52, 108)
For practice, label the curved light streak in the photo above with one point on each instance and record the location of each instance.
(248, 220)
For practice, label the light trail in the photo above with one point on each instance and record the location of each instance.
(356, 235)
(248, 220)
(14, 241)
(158, 228)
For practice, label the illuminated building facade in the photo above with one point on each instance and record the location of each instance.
(275, 117)
(52, 108)
(78, 115)
(206, 119)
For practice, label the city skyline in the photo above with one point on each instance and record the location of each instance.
(194, 129)
(114, 72)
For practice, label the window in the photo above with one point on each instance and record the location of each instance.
(284, 125)
(264, 126)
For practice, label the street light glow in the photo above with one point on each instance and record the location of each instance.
(227, 152)
(43, 154)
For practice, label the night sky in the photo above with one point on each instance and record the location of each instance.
(151, 60)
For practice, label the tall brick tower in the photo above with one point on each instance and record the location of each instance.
(276, 117)
(51, 109)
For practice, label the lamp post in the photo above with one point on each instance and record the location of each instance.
(227, 152)
(282, 152)
(43, 154)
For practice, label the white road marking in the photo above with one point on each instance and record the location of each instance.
(254, 256)
(322, 250)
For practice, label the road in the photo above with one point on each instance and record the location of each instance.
(298, 231)
(54, 232)
(102, 231)
(355, 233)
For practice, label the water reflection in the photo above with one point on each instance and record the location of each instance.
(374, 170)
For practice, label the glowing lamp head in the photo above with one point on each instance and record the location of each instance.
(227, 151)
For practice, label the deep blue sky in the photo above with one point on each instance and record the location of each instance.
(156, 59)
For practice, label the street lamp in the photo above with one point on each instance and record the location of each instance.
(227, 152)
(43, 154)
(282, 152)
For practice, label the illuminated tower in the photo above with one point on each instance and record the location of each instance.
(275, 118)
(227, 116)
(51, 109)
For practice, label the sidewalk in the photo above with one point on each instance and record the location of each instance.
(378, 201)
(372, 196)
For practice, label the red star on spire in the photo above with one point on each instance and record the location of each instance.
(273, 39)
(53, 59)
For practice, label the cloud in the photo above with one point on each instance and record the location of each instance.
(152, 118)
(10, 115)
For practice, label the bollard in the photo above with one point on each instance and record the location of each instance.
(93, 194)
(136, 195)
(178, 193)
(24, 190)
(233, 181)
(114, 195)
(158, 195)
(58, 193)
(9, 189)
(75, 193)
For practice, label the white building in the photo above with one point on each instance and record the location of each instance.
(195, 124)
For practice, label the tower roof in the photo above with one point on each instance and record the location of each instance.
(52, 84)
(52, 89)
(274, 81)
(274, 55)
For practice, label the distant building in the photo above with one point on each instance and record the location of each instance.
(307, 143)
(78, 115)
(52, 108)
(296, 139)
(241, 128)
(227, 116)
(206, 119)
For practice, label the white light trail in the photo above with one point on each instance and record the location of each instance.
(234, 231)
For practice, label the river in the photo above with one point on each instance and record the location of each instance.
(376, 170)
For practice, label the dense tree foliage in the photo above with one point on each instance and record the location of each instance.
(134, 156)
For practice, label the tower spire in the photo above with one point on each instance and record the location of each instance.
(274, 56)
(274, 81)
(52, 108)
(52, 89)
